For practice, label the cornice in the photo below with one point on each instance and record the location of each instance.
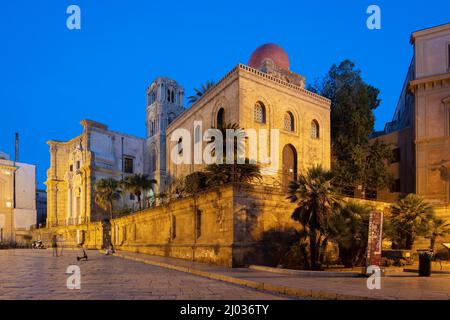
(430, 80)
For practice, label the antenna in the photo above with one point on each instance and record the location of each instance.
(16, 155)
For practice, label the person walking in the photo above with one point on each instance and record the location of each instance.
(61, 241)
(55, 245)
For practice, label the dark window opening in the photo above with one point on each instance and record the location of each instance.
(180, 146)
(395, 187)
(78, 165)
(131, 196)
(448, 54)
(371, 194)
(71, 168)
(395, 155)
(220, 118)
(128, 165)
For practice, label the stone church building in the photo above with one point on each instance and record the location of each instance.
(265, 94)
(223, 228)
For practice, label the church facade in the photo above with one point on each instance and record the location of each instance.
(76, 165)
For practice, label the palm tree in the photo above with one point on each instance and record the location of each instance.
(410, 217)
(349, 227)
(200, 92)
(315, 198)
(222, 173)
(438, 228)
(106, 192)
(138, 184)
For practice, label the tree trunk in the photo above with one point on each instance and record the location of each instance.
(409, 241)
(111, 210)
(313, 247)
(138, 195)
(432, 242)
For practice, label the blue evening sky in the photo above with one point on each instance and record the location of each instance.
(51, 77)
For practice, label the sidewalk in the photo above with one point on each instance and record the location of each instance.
(394, 286)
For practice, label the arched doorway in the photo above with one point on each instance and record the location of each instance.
(289, 164)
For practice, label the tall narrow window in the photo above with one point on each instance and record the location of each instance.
(314, 129)
(128, 165)
(220, 118)
(448, 55)
(259, 113)
(395, 155)
(180, 146)
(288, 121)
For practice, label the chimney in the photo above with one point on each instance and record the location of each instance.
(16, 154)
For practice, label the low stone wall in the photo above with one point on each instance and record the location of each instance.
(229, 226)
(194, 228)
(91, 235)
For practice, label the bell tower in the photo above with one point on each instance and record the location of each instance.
(164, 104)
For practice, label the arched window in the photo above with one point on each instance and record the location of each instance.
(168, 95)
(153, 162)
(220, 118)
(314, 129)
(288, 121)
(172, 96)
(180, 146)
(259, 113)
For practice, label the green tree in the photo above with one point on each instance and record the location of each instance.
(355, 161)
(438, 228)
(138, 184)
(348, 227)
(410, 217)
(316, 199)
(222, 173)
(200, 92)
(107, 191)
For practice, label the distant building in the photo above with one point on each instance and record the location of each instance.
(41, 206)
(17, 199)
(76, 165)
(420, 129)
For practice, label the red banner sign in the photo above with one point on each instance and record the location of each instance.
(375, 239)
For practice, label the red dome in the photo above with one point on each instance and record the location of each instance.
(269, 51)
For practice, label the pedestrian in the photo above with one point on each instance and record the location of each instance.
(61, 240)
(84, 256)
(55, 245)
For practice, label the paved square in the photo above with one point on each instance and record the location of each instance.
(35, 274)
